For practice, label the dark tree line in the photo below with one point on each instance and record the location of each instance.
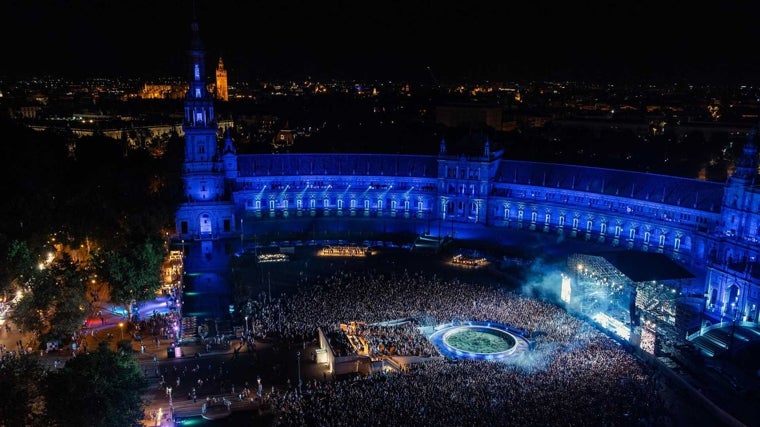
(91, 191)
(104, 209)
(102, 388)
(94, 187)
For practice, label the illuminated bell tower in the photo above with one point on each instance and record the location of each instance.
(221, 82)
(207, 212)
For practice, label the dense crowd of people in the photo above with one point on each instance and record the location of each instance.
(574, 374)
(403, 339)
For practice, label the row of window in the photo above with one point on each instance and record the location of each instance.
(323, 185)
(589, 200)
(325, 204)
(456, 172)
(471, 190)
(576, 226)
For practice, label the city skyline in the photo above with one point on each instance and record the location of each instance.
(415, 41)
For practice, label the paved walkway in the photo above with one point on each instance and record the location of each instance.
(107, 322)
(226, 374)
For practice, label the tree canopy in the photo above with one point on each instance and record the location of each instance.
(23, 402)
(134, 274)
(93, 196)
(102, 388)
(91, 188)
(54, 302)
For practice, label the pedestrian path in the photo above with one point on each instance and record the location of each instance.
(106, 322)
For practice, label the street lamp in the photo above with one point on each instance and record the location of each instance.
(121, 328)
(171, 404)
(241, 235)
(734, 310)
(298, 355)
(704, 310)
(246, 325)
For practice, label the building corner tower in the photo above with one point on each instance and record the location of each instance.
(741, 194)
(207, 212)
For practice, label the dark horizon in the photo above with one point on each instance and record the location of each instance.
(412, 41)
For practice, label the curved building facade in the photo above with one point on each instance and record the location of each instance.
(707, 226)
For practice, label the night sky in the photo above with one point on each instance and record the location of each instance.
(396, 40)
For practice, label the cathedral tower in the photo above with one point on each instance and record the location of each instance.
(221, 82)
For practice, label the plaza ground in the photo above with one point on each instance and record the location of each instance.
(277, 363)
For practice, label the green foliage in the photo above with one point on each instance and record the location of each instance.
(19, 264)
(19, 260)
(69, 313)
(84, 190)
(134, 274)
(23, 401)
(55, 302)
(103, 388)
(26, 316)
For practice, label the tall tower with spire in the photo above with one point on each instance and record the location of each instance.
(208, 212)
(221, 82)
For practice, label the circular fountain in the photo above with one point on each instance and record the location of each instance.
(478, 340)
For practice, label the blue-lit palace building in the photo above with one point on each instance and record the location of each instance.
(709, 227)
